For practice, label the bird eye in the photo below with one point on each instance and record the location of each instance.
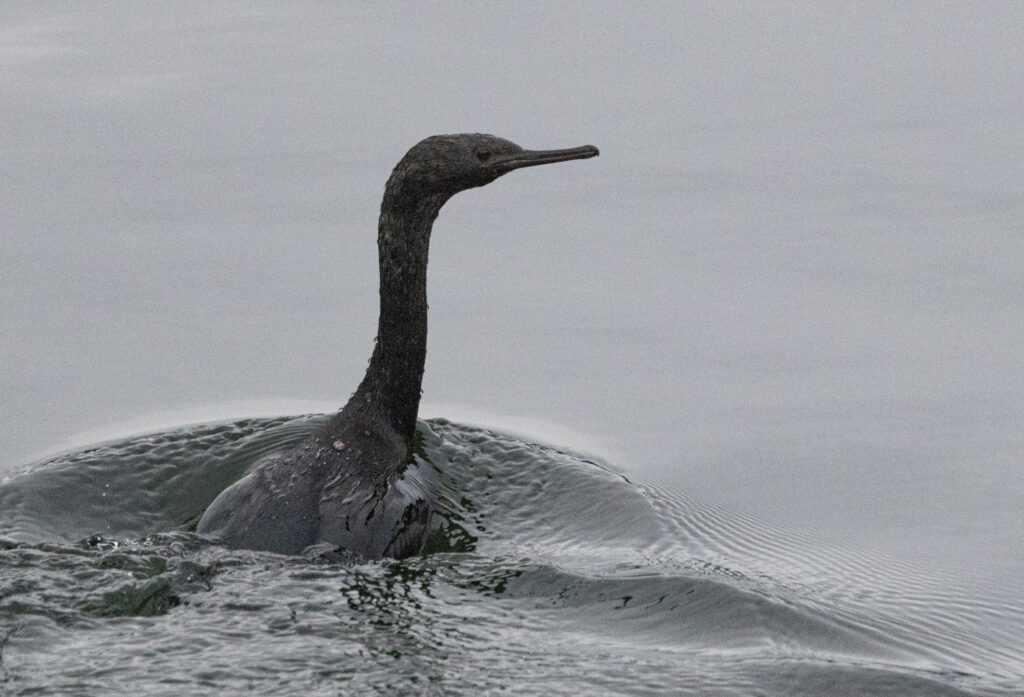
(483, 155)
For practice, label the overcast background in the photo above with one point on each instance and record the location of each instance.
(792, 282)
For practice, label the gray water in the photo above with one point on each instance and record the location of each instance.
(550, 573)
(789, 290)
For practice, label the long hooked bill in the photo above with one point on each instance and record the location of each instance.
(529, 158)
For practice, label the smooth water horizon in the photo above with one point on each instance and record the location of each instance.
(789, 291)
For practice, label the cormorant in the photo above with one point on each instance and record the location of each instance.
(353, 483)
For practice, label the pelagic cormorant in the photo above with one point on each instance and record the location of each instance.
(353, 484)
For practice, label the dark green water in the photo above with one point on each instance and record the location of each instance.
(554, 575)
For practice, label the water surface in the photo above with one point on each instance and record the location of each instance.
(550, 573)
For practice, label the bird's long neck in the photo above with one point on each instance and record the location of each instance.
(390, 391)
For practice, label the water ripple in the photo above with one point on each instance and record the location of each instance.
(554, 574)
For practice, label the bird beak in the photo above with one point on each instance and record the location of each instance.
(529, 158)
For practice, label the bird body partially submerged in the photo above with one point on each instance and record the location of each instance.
(354, 483)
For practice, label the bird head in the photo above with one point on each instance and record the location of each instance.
(439, 167)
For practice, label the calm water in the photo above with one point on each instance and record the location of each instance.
(789, 291)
